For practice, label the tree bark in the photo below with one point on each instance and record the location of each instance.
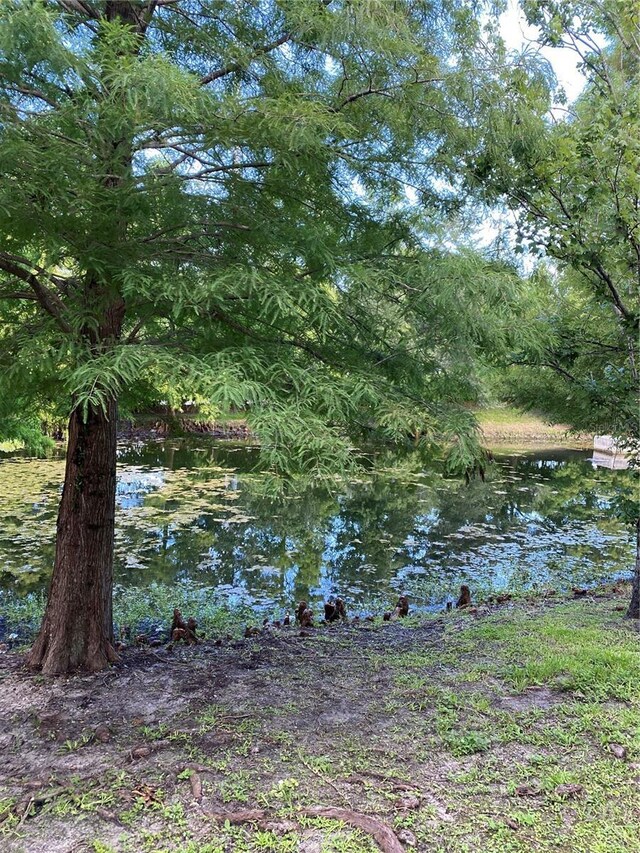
(77, 629)
(634, 606)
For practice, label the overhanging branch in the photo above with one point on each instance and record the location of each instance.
(258, 51)
(49, 300)
(80, 6)
(233, 67)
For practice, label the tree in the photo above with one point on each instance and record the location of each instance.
(209, 198)
(574, 187)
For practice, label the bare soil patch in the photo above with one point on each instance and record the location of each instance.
(350, 738)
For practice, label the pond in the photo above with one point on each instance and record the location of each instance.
(192, 513)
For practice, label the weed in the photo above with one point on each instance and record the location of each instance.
(100, 847)
(235, 788)
(72, 745)
(466, 743)
(269, 841)
(285, 791)
(153, 733)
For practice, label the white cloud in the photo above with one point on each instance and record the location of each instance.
(517, 35)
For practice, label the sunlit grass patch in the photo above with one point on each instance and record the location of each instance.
(610, 724)
(567, 648)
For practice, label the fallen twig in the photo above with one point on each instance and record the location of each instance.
(25, 814)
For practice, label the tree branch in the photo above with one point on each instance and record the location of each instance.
(80, 6)
(19, 294)
(32, 93)
(49, 301)
(232, 167)
(259, 50)
(385, 90)
(550, 364)
(238, 66)
(617, 301)
(237, 326)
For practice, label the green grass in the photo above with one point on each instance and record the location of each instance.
(512, 429)
(447, 712)
(140, 606)
(566, 649)
(507, 415)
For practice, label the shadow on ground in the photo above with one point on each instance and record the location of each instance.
(515, 729)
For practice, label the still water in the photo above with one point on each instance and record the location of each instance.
(193, 512)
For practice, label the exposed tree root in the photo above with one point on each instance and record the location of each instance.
(381, 833)
(384, 837)
(245, 816)
(196, 786)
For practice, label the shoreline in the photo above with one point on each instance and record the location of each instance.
(502, 426)
(511, 728)
(218, 619)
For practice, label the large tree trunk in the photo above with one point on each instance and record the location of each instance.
(634, 607)
(77, 629)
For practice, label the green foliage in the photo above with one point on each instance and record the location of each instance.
(467, 743)
(137, 607)
(207, 202)
(571, 178)
(21, 432)
(155, 602)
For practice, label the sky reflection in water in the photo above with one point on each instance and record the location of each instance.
(187, 513)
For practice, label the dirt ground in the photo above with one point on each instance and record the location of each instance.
(433, 734)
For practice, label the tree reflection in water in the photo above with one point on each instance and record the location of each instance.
(188, 512)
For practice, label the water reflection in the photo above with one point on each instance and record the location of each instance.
(615, 461)
(188, 512)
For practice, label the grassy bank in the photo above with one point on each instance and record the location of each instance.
(499, 424)
(505, 425)
(516, 728)
(136, 609)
